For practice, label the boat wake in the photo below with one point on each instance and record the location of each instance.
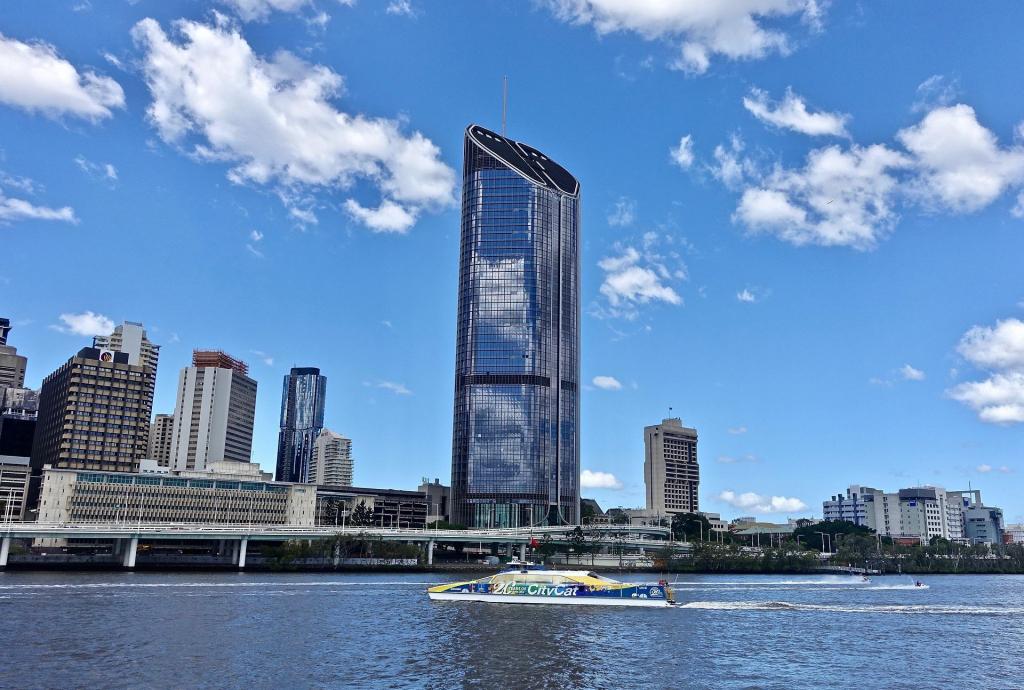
(909, 609)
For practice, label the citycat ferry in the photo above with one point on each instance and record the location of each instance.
(529, 584)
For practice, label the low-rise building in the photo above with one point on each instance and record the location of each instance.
(14, 477)
(83, 496)
(438, 499)
(390, 507)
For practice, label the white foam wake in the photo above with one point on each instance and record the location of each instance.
(927, 609)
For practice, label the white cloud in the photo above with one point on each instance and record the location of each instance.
(961, 166)
(274, 121)
(401, 7)
(253, 250)
(102, 171)
(839, 198)
(263, 357)
(737, 430)
(633, 278)
(87, 323)
(623, 214)
(757, 503)
(934, 92)
(682, 154)
(256, 236)
(791, 113)
(12, 210)
(849, 196)
(911, 374)
(998, 399)
(396, 388)
(735, 30)
(34, 77)
(608, 383)
(998, 347)
(745, 295)
(260, 10)
(598, 480)
(731, 460)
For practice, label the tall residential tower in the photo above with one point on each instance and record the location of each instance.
(302, 418)
(515, 445)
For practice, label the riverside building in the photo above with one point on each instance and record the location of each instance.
(515, 443)
(302, 418)
(214, 412)
(229, 493)
(917, 513)
(671, 471)
(94, 413)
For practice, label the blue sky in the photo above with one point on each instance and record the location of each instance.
(802, 228)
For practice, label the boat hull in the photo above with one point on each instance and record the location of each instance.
(561, 600)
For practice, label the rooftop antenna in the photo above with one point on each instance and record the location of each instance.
(504, 103)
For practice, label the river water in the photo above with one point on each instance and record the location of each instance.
(259, 630)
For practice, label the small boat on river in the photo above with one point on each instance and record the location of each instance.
(523, 583)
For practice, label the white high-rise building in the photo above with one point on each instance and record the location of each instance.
(331, 464)
(214, 412)
(918, 513)
(131, 337)
(671, 472)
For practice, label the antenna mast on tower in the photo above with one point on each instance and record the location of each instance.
(504, 103)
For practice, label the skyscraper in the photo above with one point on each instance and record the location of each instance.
(332, 461)
(94, 414)
(161, 439)
(130, 337)
(515, 445)
(214, 412)
(12, 365)
(302, 418)
(671, 472)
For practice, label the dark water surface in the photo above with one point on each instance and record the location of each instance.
(103, 630)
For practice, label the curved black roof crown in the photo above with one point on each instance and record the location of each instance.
(525, 160)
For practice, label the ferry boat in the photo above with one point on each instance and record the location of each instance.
(529, 584)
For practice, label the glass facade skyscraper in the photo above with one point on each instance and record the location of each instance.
(515, 446)
(302, 418)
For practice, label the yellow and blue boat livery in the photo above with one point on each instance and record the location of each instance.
(532, 585)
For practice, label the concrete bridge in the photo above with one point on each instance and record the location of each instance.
(126, 536)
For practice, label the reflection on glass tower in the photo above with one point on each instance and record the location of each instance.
(515, 446)
(302, 418)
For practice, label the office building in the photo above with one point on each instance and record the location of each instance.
(130, 337)
(214, 412)
(12, 365)
(94, 414)
(388, 507)
(235, 493)
(983, 525)
(332, 460)
(913, 514)
(14, 480)
(1013, 534)
(302, 418)
(671, 472)
(438, 498)
(515, 444)
(161, 438)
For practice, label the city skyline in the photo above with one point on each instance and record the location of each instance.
(810, 348)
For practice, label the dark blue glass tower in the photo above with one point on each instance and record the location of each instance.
(515, 446)
(302, 418)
